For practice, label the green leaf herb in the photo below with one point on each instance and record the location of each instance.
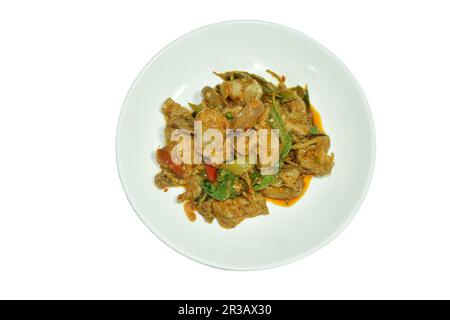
(229, 116)
(196, 107)
(264, 182)
(314, 130)
(276, 122)
(223, 189)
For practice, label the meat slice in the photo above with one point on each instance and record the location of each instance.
(231, 212)
(177, 117)
(313, 156)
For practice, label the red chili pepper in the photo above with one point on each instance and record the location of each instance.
(165, 159)
(211, 173)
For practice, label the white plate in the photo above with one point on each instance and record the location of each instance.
(180, 71)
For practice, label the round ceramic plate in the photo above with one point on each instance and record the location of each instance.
(185, 66)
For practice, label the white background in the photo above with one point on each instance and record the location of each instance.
(66, 228)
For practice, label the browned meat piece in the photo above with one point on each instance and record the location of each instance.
(283, 193)
(312, 154)
(297, 108)
(297, 126)
(176, 117)
(289, 184)
(212, 119)
(193, 190)
(212, 98)
(167, 178)
(248, 117)
(297, 118)
(231, 212)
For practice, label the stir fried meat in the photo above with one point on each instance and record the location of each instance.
(313, 157)
(232, 192)
(288, 184)
(212, 119)
(230, 212)
(176, 117)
